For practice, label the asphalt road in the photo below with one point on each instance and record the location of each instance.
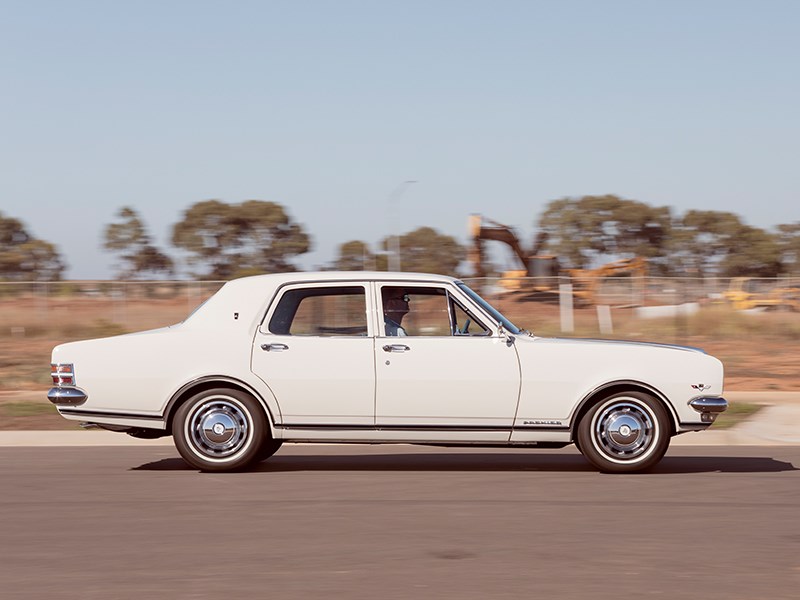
(385, 522)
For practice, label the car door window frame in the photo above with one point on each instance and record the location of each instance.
(452, 294)
(281, 293)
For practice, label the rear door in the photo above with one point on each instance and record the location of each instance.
(316, 353)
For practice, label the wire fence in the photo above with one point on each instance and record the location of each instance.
(554, 305)
(676, 309)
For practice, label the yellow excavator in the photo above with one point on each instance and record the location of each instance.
(534, 263)
(747, 293)
(539, 277)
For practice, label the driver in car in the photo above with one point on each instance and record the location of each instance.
(395, 307)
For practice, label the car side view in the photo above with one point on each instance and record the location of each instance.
(377, 357)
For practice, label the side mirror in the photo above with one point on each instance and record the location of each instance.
(504, 334)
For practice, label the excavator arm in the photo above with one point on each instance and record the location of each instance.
(485, 229)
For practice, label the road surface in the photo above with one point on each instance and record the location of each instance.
(385, 522)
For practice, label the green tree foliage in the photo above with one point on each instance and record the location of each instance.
(232, 240)
(754, 253)
(25, 258)
(708, 242)
(356, 255)
(130, 239)
(584, 232)
(425, 250)
(589, 230)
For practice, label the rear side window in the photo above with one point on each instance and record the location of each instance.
(321, 311)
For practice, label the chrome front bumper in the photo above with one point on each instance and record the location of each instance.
(709, 408)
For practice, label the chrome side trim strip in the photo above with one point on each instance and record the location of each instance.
(401, 428)
(109, 415)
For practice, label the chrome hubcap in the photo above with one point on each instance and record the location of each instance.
(218, 428)
(624, 430)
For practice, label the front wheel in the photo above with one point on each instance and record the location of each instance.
(268, 447)
(219, 430)
(624, 433)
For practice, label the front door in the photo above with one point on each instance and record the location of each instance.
(446, 371)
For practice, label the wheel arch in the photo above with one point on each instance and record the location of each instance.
(614, 387)
(210, 382)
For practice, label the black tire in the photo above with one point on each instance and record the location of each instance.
(220, 430)
(626, 432)
(268, 448)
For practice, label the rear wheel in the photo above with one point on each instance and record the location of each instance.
(219, 430)
(624, 433)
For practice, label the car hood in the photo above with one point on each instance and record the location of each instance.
(601, 342)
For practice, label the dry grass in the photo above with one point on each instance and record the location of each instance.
(736, 413)
(760, 351)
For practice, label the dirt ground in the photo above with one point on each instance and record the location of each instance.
(760, 352)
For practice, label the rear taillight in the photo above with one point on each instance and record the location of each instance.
(62, 374)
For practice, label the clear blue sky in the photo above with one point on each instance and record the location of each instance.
(326, 106)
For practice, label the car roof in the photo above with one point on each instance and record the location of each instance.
(348, 276)
(246, 295)
(278, 279)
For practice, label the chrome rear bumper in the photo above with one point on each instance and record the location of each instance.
(67, 396)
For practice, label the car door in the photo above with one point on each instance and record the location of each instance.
(447, 370)
(315, 352)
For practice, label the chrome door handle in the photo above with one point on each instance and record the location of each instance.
(274, 347)
(396, 348)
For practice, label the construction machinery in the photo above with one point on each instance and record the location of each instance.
(540, 275)
(534, 264)
(587, 282)
(748, 293)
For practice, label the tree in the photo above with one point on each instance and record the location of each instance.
(753, 253)
(355, 255)
(130, 238)
(25, 258)
(709, 242)
(584, 231)
(425, 250)
(587, 230)
(788, 238)
(240, 239)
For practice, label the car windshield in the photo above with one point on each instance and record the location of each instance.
(508, 325)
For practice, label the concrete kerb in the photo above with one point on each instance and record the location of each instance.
(75, 437)
(777, 424)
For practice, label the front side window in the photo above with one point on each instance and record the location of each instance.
(465, 323)
(321, 311)
(426, 311)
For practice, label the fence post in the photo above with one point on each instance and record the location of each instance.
(565, 302)
(604, 319)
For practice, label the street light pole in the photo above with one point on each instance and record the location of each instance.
(394, 240)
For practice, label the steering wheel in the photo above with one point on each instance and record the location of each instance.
(465, 329)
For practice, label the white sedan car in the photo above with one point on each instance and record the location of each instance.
(380, 358)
